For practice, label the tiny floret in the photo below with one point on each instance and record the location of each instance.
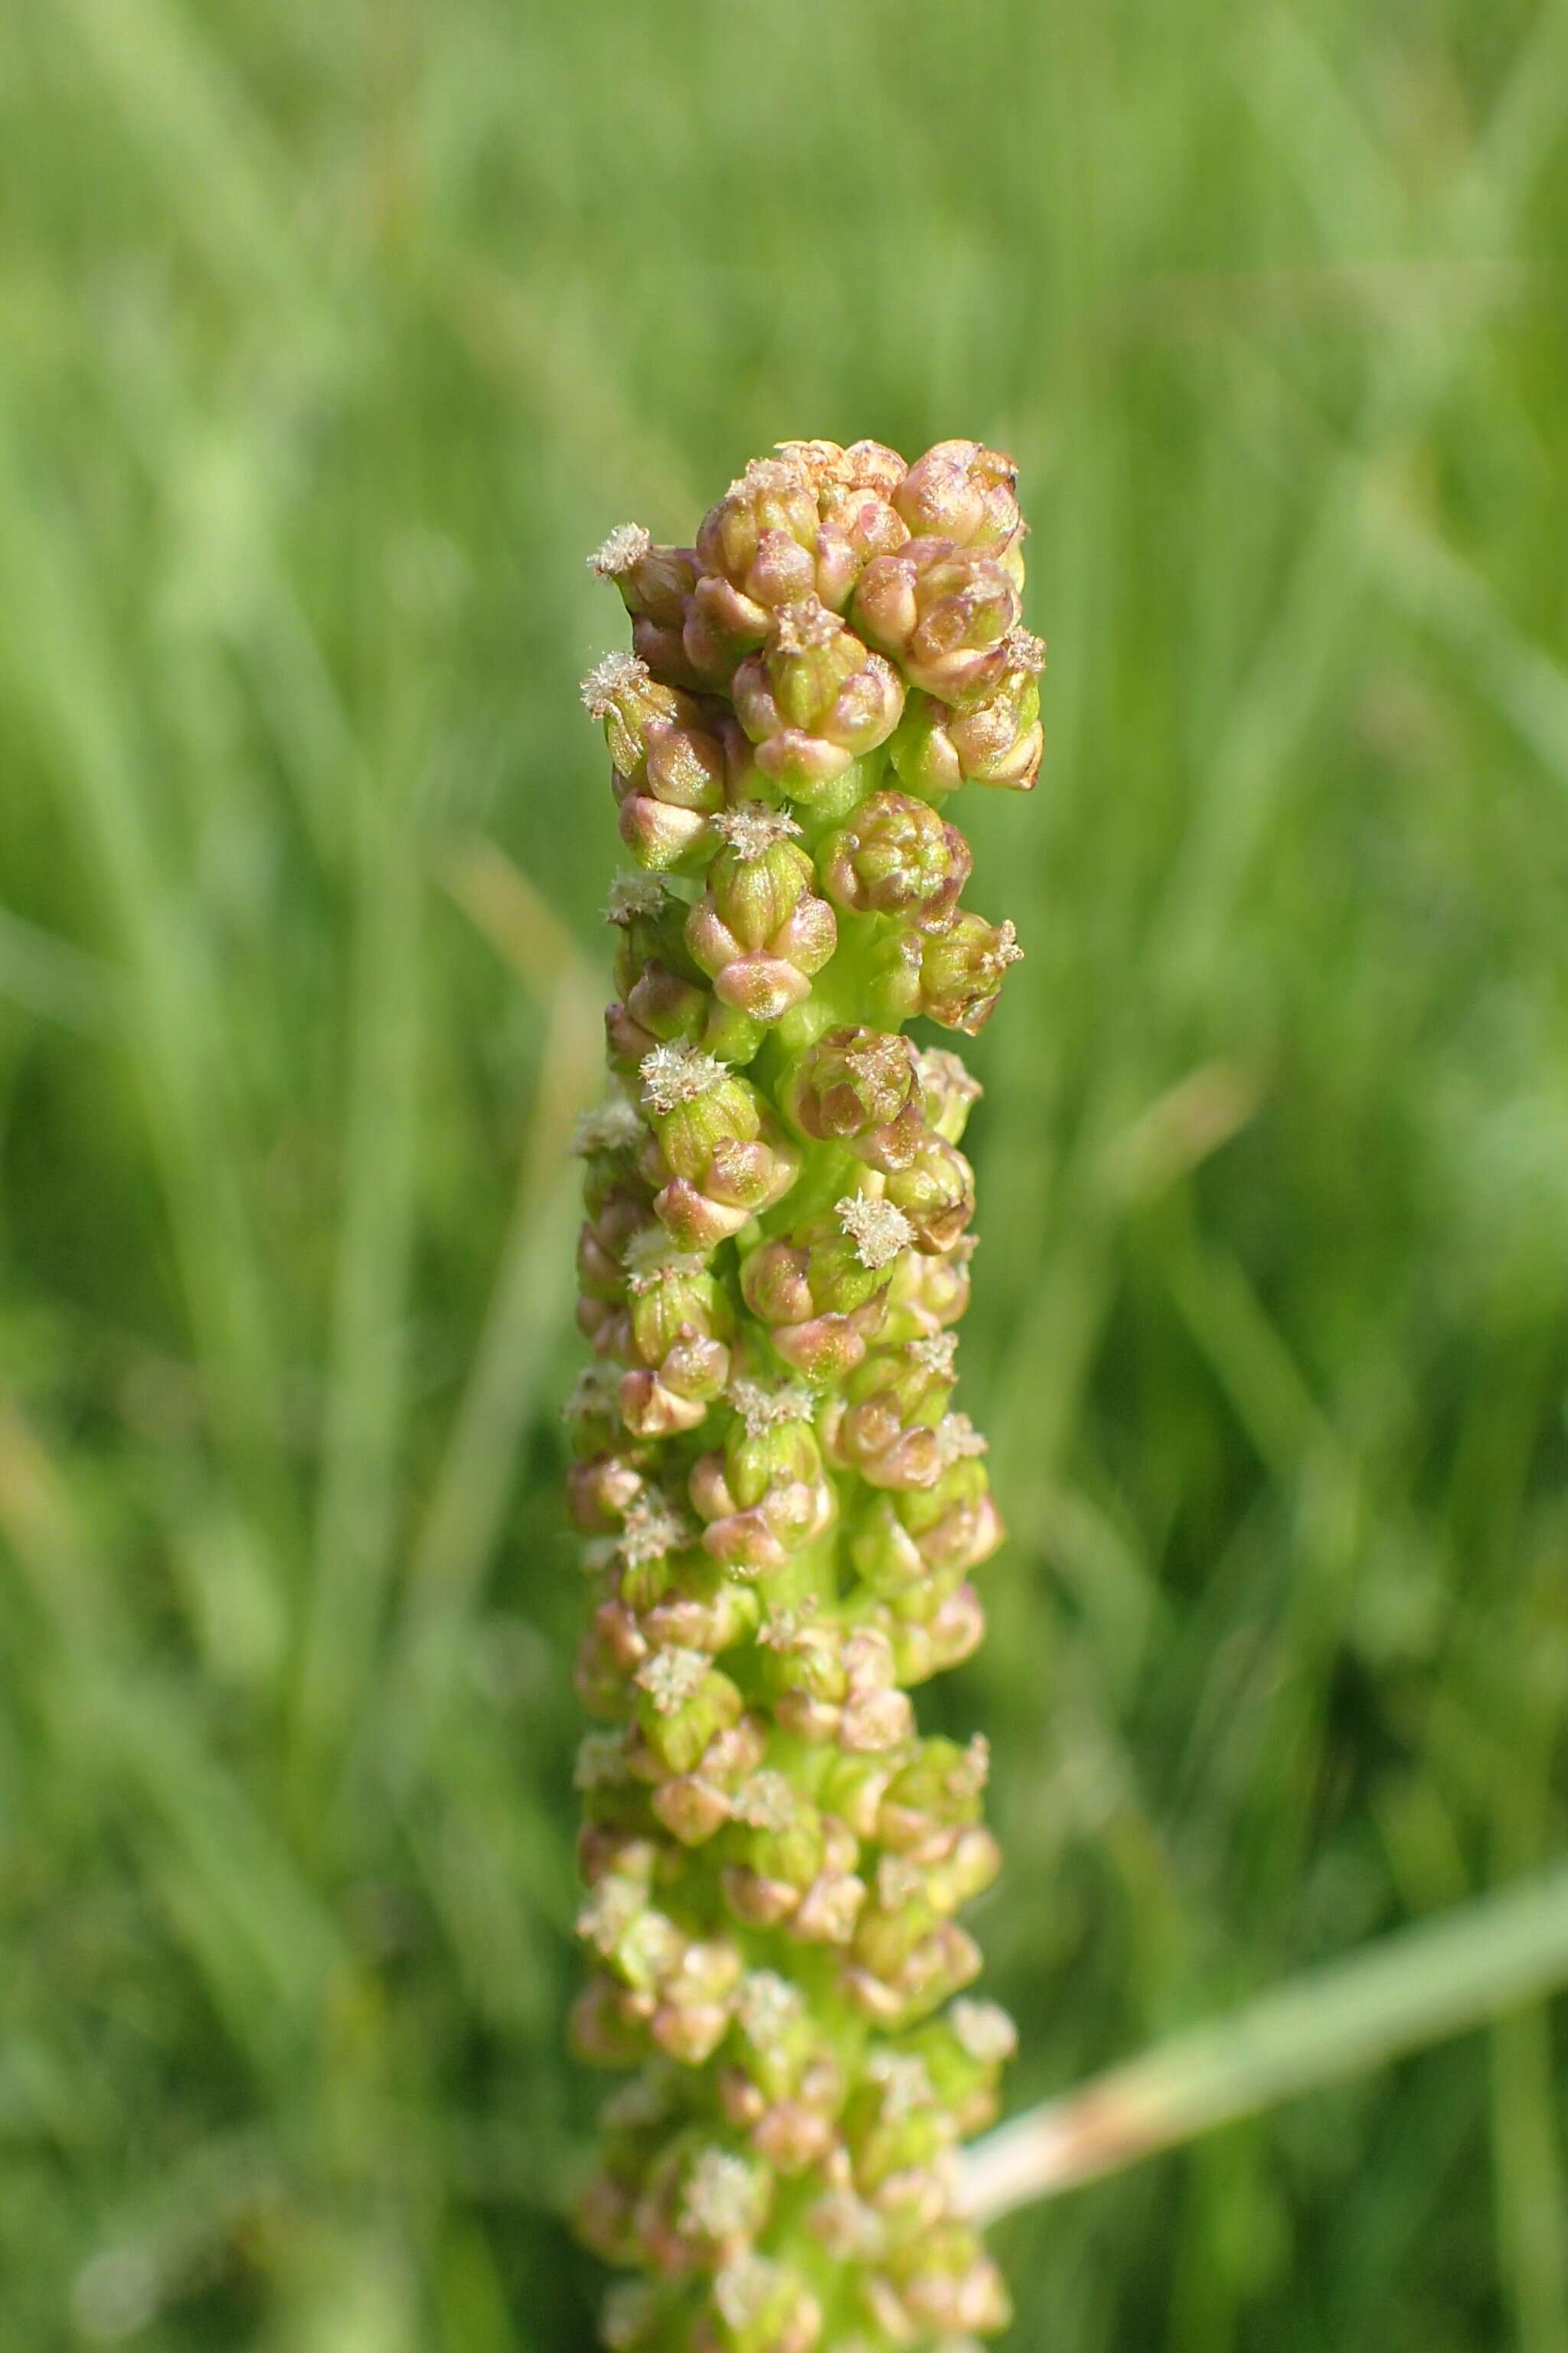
(651, 1258)
(672, 1677)
(620, 551)
(672, 1075)
(940, 1072)
(752, 829)
(609, 1912)
(1026, 651)
(595, 1390)
(905, 2080)
(898, 1882)
(601, 1761)
(1006, 950)
(938, 1353)
(742, 2289)
(612, 675)
(878, 1229)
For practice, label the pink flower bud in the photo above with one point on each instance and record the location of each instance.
(814, 700)
(896, 857)
(945, 614)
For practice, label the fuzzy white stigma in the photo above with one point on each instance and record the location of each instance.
(878, 1229)
(1026, 651)
(898, 1882)
(767, 2007)
(620, 549)
(634, 894)
(651, 1529)
(766, 1802)
(970, 1774)
(798, 628)
(763, 1409)
(672, 1075)
(752, 829)
(1006, 951)
(769, 478)
(719, 2196)
(938, 1353)
(672, 1677)
(985, 2032)
(782, 1629)
(957, 1439)
(649, 1259)
(615, 674)
(614, 1126)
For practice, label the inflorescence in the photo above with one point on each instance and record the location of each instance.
(783, 1511)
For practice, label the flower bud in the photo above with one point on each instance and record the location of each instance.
(896, 857)
(883, 1421)
(758, 2306)
(763, 1494)
(932, 1797)
(668, 769)
(934, 1191)
(760, 932)
(814, 700)
(655, 583)
(998, 740)
(818, 1289)
(927, 1294)
(859, 1088)
(948, 1094)
(722, 1156)
(943, 613)
(683, 1701)
(962, 491)
(962, 972)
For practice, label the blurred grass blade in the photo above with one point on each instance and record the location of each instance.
(1418, 1987)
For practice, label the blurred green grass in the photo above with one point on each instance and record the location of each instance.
(333, 338)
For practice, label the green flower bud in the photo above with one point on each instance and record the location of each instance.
(722, 1158)
(998, 740)
(935, 1192)
(896, 857)
(760, 932)
(944, 614)
(948, 1094)
(668, 769)
(814, 700)
(964, 492)
(758, 2306)
(962, 972)
(858, 1088)
(655, 583)
(883, 1421)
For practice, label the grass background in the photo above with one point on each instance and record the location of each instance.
(333, 336)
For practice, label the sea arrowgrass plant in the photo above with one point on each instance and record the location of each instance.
(784, 1509)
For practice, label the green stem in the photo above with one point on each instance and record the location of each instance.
(1417, 1987)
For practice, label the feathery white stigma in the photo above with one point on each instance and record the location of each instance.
(721, 2193)
(1006, 950)
(1026, 651)
(938, 1353)
(680, 1075)
(798, 628)
(878, 1229)
(985, 2029)
(752, 829)
(957, 1439)
(615, 673)
(620, 549)
(767, 2007)
(634, 894)
(652, 1529)
(898, 1882)
(614, 1126)
(974, 1770)
(763, 1409)
(672, 1677)
(649, 1259)
(766, 1802)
